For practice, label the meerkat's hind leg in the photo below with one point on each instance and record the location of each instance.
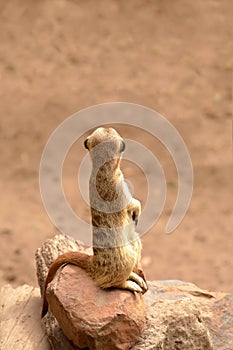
(139, 280)
(134, 283)
(141, 274)
(131, 286)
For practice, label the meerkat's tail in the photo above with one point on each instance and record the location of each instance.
(74, 258)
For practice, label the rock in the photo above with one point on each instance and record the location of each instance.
(45, 255)
(124, 317)
(95, 318)
(179, 315)
(220, 322)
(50, 250)
(175, 319)
(182, 316)
(20, 325)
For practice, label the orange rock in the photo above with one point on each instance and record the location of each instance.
(94, 318)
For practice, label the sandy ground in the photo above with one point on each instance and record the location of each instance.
(57, 57)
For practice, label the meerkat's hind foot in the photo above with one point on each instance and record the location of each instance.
(131, 286)
(139, 280)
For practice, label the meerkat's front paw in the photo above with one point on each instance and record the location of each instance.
(139, 280)
(134, 210)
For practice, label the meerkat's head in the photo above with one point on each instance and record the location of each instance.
(110, 143)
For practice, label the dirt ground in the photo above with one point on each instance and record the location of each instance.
(57, 57)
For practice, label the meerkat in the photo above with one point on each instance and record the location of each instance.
(116, 245)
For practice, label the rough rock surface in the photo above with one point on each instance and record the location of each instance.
(174, 317)
(95, 318)
(180, 316)
(50, 250)
(20, 319)
(45, 255)
(20, 325)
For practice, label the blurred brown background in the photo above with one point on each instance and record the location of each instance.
(57, 57)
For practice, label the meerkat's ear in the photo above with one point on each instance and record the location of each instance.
(86, 144)
(122, 147)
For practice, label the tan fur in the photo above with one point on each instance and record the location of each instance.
(116, 245)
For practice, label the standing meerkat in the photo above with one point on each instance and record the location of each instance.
(116, 245)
